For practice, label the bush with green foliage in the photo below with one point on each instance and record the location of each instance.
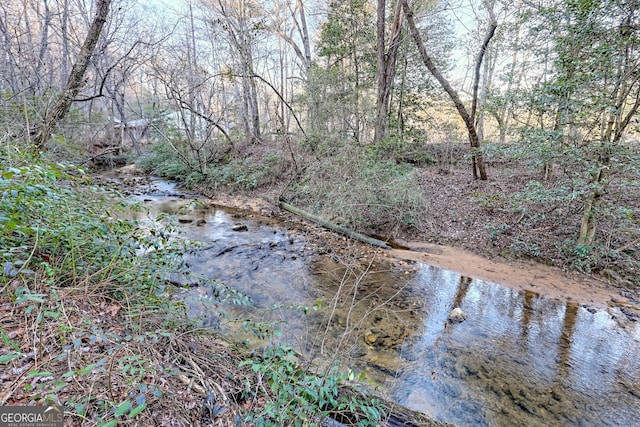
(234, 173)
(296, 397)
(400, 150)
(162, 160)
(57, 224)
(352, 188)
(61, 235)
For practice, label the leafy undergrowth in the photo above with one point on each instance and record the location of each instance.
(86, 322)
(83, 352)
(521, 214)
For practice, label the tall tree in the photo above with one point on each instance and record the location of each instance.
(347, 48)
(386, 65)
(241, 19)
(479, 170)
(41, 133)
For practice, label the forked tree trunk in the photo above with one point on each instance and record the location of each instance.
(479, 170)
(42, 132)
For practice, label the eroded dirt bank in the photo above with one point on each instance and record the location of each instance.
(544, 280)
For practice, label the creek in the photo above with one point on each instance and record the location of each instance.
(519, 358)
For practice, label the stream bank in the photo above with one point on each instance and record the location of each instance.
(545, 280)
(521, 355)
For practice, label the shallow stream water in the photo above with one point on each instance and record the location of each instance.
(518, 359)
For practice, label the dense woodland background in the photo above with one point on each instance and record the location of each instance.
(367, 112)
(510, 128)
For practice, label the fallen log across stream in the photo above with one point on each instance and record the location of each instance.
(331, 226)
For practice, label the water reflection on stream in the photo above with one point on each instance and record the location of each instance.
(518, 359)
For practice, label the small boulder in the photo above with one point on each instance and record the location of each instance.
(239, 227)
(129, 170)
(457, 315)
(370, 338)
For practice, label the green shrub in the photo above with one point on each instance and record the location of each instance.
(64, 243)
(399, 150)
(297, 397)
(162, 160)
(353, 189)
(236, 174)
(55, 223)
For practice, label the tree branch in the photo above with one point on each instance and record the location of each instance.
(493, 24)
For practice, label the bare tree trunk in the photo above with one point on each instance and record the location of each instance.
(42, 132)
(403, 82)
(312, 100)
(493, 25)
(381, 116)
(8, 70)
(386, 66)
(356, 91)
(283, 75)
(304, 53)
(44, 46)
(256, 133)
(304, 33)
(28, 48)
(64, 68)
(478, 169)
(588, 223)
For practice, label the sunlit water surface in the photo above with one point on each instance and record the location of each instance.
(518, 359)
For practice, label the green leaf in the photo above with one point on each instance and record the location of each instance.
(123, 408)
(108, 424)
(6, 358)
(87, 369)
(32, 374)
(79, 408)
(156, 391)
(8, 341)
(137, 410)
